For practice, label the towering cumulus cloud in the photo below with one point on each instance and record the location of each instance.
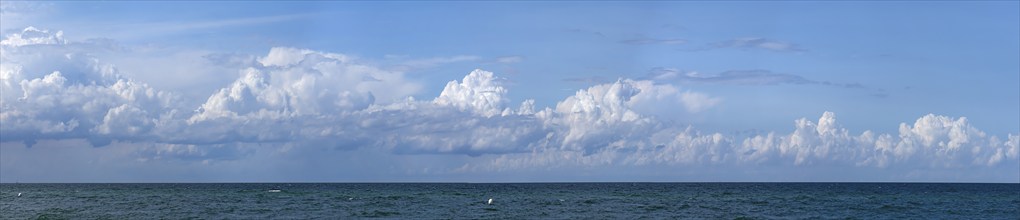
(289, 98)
(478, 92)
(52, 89)
(294, 82)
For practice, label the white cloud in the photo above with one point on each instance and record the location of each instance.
(51, 90)
(299, 98)
(303, 82)
(810, 144)
(478, 92)
(33, 36)
(433, 129)
(936, 141)
(620, 114)
(626, 100)
(469, 117)
(192, 74)
(126, 120)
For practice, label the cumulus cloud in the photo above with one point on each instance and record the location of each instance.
(33, 36)
(478, 92)
(299, 98)
(625, 95)
(52, 91)
(293, 82)
(593, 116)
(432, 129)
(472, 117)
(933, 141)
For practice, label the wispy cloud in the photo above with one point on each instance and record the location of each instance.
(644, 41)
(429, 62)
(174, 27)
(588, 80)
(159, 28)
(425, 63)
(585, 31)
(673, 27)
(753, 43)
(509, 59)
(740, 77)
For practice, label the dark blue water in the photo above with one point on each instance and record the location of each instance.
(514, 200)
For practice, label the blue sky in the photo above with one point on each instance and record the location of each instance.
(510, 91)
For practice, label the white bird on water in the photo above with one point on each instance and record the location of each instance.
(19, 195)
(490, 201)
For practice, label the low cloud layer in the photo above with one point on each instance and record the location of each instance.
(295, 98)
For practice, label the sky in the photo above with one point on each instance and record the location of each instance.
(323, 91)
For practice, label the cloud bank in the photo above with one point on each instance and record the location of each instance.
(295, 98)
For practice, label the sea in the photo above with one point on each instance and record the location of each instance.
(510, 201)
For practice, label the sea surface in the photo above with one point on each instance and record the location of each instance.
(512, 200)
